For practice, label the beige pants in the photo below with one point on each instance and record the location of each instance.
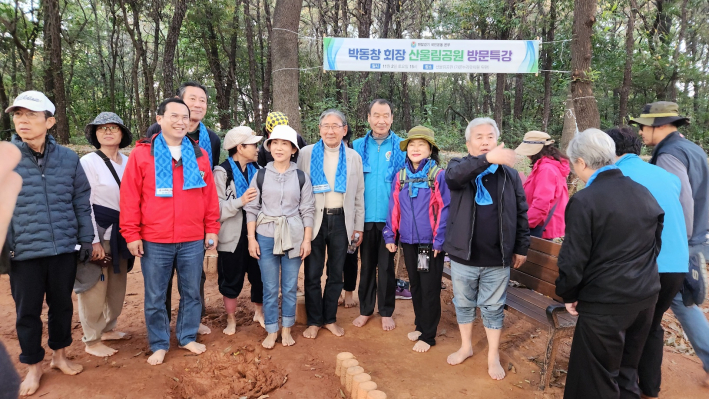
(100, 306)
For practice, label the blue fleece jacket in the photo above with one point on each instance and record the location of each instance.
(665, 187)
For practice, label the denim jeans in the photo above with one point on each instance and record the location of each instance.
(156, 267)
(277, 270)
(483, 287)
(695, 325)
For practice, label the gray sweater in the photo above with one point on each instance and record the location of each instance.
(282, 196)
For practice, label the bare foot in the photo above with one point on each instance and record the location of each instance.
(230, 324)
(195, 347)
(311, 332)
(341, 301)
(335, 329)
(100, 350)
(414, 335)
(270, 340)
(388, 324)
(361, 320)
(494, 368)
(459, 356)
(114, 336)
(60, 361)
(286, 337)
(421, 347)
(258, 315)
(706, 381)
(350, 302)
(157, 357)
(203, 330)
(30, 384)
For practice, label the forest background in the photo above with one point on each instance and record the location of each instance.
(601, 61)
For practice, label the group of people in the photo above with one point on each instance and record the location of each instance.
(80, 223)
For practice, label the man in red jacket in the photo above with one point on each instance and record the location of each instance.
(170, 213)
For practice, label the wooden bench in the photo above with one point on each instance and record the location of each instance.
(538, 302)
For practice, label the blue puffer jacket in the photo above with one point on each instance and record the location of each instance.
(53, 212)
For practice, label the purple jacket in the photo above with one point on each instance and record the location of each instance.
(430, 212)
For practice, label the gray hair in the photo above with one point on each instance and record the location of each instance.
(481, 121)
(594, 146)
(333, 111)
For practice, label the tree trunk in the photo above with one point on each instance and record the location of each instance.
(364, 8)
(548, 63)
(406, 101)
(569, 129)
(628, 69)
(168, 58)
(487, 95)
(339, 27)
(267, 100)
(255, 100)
(586, 109)
(5, 125)
(499, 98)
(55, 32)
(519, 105)
(424, 100)
(212, 50)
(285, 60)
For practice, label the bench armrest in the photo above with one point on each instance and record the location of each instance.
(553, 311)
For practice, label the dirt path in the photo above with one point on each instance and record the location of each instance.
(237, 366)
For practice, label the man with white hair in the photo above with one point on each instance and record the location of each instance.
(608, 272)
(487, 233)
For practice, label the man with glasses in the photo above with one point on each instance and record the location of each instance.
(338, 183)
(169, 215)
(51, 222)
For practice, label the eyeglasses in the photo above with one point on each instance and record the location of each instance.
(32, 115)
(106, 129)
(174, 118)
(330, 127)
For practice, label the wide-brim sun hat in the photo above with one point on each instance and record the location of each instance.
(282, 132)
(105, 118)
(419, 132)
(533, 142)
(660, 113)
(240, 135)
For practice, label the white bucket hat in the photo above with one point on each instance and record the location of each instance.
(282, 132)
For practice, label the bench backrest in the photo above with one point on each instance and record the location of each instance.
(540, 271)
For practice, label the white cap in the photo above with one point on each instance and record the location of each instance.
(240, 135)
(283, 132)
(32, 100)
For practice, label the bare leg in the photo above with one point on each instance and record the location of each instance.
(157, 357)
(414, 335)
(494, 368)
(361, 320)
(466, 345)
(311, 332)
(286, 337)
(30, 384)
(230, 324)
(350, 301)
(100, 350)
(114, 336)
(335, 329)
(270, 340)
(195, 347)
(258, 314)
(388, 323)
(60, 361)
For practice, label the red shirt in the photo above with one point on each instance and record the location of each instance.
(186, 216)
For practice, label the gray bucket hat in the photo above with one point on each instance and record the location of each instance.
(105, 118)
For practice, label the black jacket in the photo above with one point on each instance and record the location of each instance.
(514, 227)
(213, 139)
(608, 260)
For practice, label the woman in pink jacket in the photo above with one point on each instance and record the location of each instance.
(545, 187)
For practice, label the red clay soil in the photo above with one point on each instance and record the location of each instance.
(238, 367)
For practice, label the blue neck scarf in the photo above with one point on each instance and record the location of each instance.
(205, 143)
(192, 177)
(598, 172)
(482, 196)
(397, 160)
(317, 175)
(240, 183)
(421, 177)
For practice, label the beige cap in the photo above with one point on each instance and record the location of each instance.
(240, 135)
(533, 142)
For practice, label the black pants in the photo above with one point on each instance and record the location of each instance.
(375, 285)
(168, 297)
(650, 367)
(231, 268)
(30, 280)
(350, 271)
(321, 307)
(605, 354)
(425, 292)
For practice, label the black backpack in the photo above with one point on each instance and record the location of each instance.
(261, 174)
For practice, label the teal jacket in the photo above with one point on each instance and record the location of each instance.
(665, 187)
(380, 164)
